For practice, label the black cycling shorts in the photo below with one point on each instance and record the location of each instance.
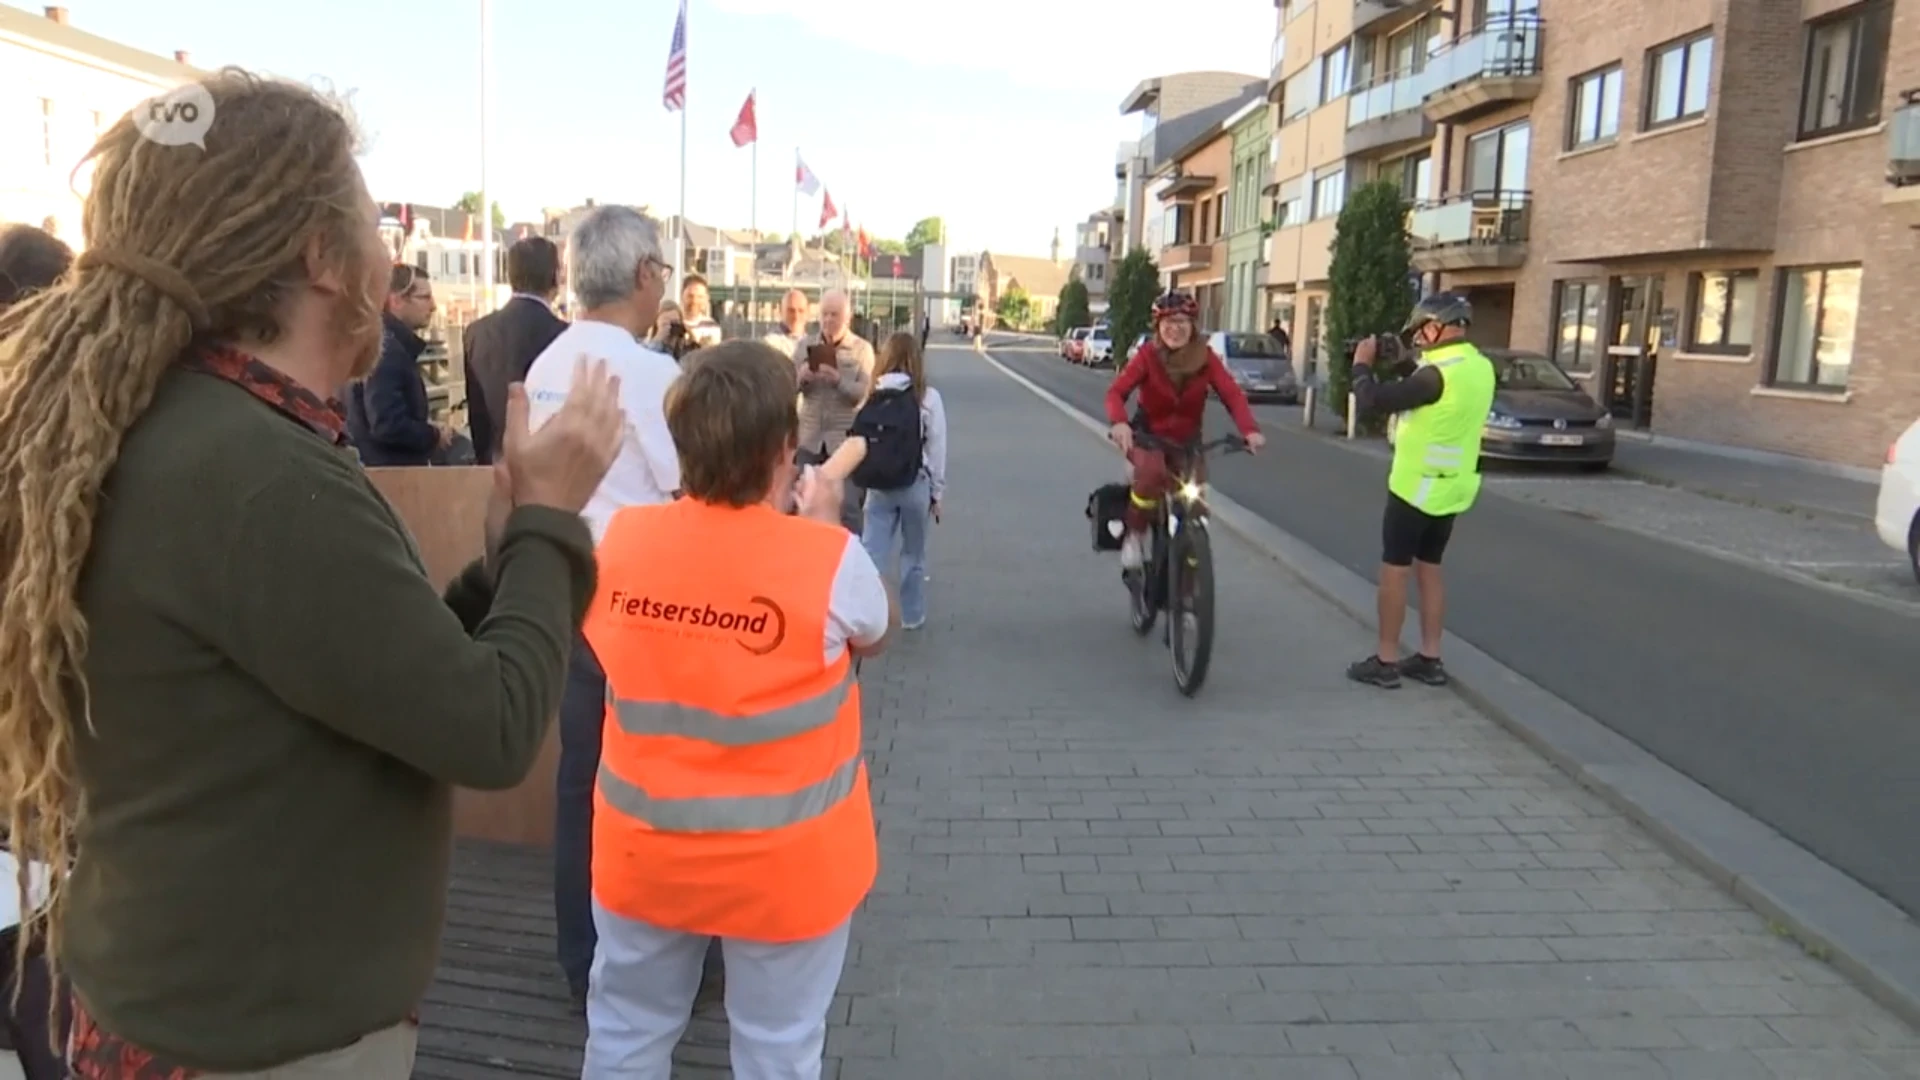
(1409, 533)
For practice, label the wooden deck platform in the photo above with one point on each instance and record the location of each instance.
(498, 1009)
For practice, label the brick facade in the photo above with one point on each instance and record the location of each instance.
(1734, 190)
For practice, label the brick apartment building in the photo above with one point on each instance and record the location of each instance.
(1689, 203)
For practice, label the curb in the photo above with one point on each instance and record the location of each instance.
(1833, 917)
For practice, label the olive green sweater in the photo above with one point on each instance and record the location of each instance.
(280, 701)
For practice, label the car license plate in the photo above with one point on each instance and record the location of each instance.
(1562, 440)
(1265, 386)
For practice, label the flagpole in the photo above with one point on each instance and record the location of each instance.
(753, 225)
(486, 206)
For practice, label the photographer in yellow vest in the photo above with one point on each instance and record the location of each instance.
(1442, 405)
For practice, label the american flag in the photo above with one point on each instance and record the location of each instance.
(676, 95)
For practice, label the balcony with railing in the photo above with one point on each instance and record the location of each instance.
(1495, 65)
(1478, 230)
(1903, 152)
(1180, 257)
(1388, 111)
(1368, 12)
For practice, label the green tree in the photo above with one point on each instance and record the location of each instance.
(1130, 295)
(890, 247)
(1015, 306)
(1368, 280)
(1075, 308)
(925, 231)
(470, 204)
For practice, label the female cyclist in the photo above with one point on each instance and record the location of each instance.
(1173, 371)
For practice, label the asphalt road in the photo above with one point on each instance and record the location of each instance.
(1795, 703)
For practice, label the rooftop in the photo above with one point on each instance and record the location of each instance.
(53, 33)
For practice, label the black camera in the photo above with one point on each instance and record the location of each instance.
(678, 340)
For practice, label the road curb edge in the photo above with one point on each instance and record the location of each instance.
(1832, 916)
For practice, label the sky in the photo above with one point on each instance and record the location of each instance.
(1000, 115)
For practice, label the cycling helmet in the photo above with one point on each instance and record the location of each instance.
(1175, 302)
(1447, 309)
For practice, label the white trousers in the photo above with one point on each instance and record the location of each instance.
(640, 1000)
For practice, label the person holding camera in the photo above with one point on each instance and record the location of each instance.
(1442, 405)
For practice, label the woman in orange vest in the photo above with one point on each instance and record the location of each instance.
(732, 798)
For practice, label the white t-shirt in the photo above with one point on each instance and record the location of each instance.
(647, 471)
(857, 606)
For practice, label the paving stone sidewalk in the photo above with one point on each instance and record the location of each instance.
(1288, 878)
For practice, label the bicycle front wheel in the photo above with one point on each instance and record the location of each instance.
(1190, 606)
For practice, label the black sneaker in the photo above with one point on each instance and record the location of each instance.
(1424, 669)
(1375, 672)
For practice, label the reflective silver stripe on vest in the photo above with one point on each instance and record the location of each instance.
(730, 813)
(693, 722)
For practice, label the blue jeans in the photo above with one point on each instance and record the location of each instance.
(903, 512)
(583, 706)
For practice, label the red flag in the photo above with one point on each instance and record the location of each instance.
(745, 128)
(866, 247)
(469, 229)
(827, 210)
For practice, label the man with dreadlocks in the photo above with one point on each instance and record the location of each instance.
(232, 705)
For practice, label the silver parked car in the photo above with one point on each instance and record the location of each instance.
(1259, 363)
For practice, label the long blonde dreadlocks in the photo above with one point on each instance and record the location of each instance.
(183, 245)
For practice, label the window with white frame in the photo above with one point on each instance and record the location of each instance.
(1329, 192)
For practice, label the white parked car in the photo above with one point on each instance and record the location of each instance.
(1897, 514)
(1097, 350)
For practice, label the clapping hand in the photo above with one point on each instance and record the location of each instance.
(562, 464)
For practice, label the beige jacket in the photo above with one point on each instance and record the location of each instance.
(826, 410)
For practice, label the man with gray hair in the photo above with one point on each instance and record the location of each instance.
(618, 277)
(836, 371)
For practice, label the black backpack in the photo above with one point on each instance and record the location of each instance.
(890, 422)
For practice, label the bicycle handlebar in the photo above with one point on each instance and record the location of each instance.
(1230, 443)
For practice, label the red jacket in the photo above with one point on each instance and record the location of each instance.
(1170, 413)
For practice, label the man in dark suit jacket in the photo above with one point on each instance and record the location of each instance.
(501, 347)
(389, 413)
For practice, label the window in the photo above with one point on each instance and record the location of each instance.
(1486, 11)
(1677, 79)
(1179, 225)
(1288, 210)
(1576, 337)
(1221, 217)
(1723, 304)
(1329, 192)
(1333, 74)
(1497, 159)
(1413, 174)
(1814, 345)
(1595, 112)
(1301, 93)
(99, 123)
(46, 130)
(1846, 68)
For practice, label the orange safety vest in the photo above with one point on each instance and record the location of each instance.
(732, 797)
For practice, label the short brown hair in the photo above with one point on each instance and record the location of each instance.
(733, 416)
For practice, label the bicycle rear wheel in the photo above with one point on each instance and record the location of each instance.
(1190, 606)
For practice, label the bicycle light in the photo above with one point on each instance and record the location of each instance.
(1190, 492)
